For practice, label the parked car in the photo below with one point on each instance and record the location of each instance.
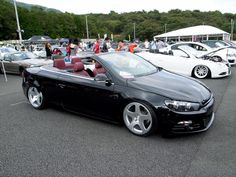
(218, 43)
(40, 52)
(226, 53)
(183, 62)
(4, 50)
(16, 62)
(123, 87)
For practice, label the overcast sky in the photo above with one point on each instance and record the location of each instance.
(105, 6)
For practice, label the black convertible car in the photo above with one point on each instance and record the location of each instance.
(122, 87)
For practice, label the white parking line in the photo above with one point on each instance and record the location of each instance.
(8, 93)
(14, 104)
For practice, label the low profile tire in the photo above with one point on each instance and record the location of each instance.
(36, 98)
(201, 71)
(139, 119)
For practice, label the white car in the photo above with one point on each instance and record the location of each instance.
(40, 52)
(189, 65)
(227, 53)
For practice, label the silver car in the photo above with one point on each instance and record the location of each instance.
(16, 62)
(5, 50)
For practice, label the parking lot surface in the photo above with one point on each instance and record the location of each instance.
(53, 142)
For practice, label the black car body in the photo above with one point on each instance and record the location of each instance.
(142, 95)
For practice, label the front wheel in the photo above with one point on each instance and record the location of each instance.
(36, 98)
(201, 71)
(139, 118)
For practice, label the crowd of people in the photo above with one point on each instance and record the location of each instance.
(72, 47)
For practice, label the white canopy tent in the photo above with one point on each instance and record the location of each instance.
(195, 33)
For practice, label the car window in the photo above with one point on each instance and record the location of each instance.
(23, 56)
(180, 53)
(198, 47)
(128, 65)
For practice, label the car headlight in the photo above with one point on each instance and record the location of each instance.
(181, 106)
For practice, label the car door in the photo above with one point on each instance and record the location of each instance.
(180, 62)
(10, 65)
(48, 81)
(88, 96)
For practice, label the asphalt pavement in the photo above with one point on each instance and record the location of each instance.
(53, 142)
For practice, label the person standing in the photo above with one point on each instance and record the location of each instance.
(96, 47)
(48, 50)
(121, 46)
(160, 44)
(68, 49)
(146, 44)
(106, 45)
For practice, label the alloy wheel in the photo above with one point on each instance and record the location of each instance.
(35, 97)
(201, 71)
(137, 118)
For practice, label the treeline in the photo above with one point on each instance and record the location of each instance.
(37, 21)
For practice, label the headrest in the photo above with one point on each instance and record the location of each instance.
(98, 65)
(59, 63)
(79, 66)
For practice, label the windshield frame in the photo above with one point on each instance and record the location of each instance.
(128, 65)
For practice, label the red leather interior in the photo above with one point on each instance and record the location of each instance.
(75, 60)
(60, 64)
(98, 69)
(79, 69)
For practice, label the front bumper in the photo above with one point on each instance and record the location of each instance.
(188, 122)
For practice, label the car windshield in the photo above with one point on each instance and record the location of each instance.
(7, 50)
(128, 65)
(24, 56)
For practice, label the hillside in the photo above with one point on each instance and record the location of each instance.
(37, 20)
(30, 6)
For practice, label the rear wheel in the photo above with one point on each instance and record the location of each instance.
(139, 118)
(201, 71)
(36, 98)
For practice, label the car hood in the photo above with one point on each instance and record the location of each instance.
(212, 51)
(37, 62)
(173, 86)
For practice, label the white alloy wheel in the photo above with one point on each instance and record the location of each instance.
(138, 118)
(201, 71)
(35, 97)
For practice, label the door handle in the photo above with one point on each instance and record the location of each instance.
(61, 85)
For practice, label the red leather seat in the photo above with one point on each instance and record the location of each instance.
(75, 60)
(79, 69)
(60, 64)
(98, 69)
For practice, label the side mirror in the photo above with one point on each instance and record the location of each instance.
(103, 78)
